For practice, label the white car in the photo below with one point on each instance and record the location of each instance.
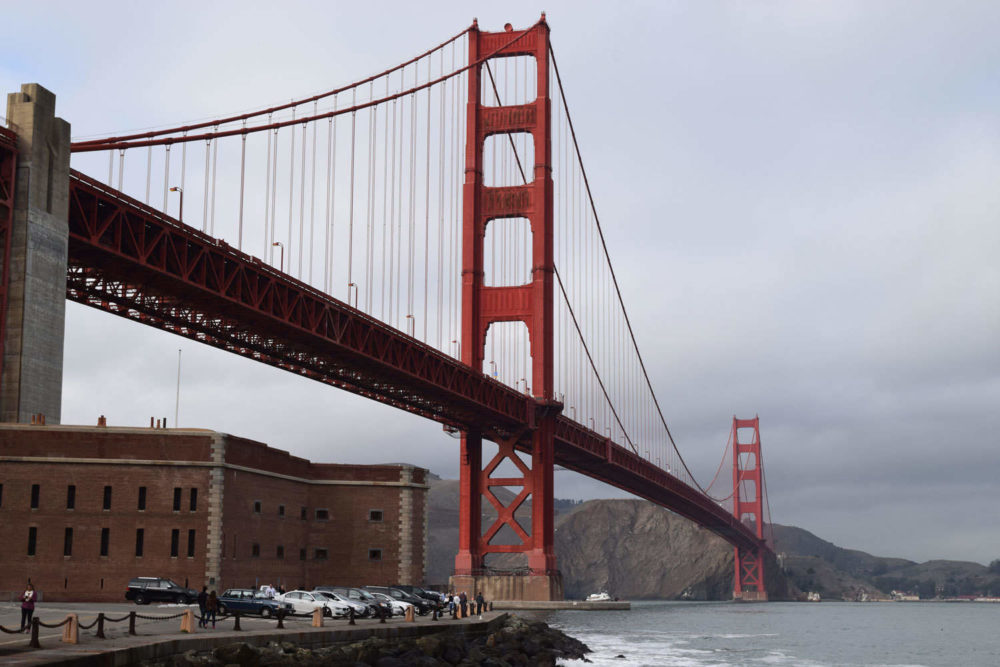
(360, 608)
(399, 607)
(304, 602)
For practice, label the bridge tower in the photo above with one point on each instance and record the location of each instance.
(749, 581)
(531, 304)
(34, 241)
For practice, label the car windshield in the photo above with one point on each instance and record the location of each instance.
(365, 595)
(168, 583)
(322, 596)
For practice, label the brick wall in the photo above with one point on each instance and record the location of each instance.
(373, 531)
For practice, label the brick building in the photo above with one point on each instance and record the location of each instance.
(84, 509)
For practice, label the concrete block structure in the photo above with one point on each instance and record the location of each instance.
(85, 509)
(34, 321)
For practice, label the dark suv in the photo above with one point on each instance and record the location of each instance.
(421, 605)
(430, 596)
(157, 589)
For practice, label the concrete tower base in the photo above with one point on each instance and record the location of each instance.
(510, 586)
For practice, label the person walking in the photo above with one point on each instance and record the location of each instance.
(451, 603)
(202, 604)
(480, 603)
(28, 600)
(463, 602)
(211, 606)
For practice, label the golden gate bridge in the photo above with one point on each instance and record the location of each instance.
(425, 237)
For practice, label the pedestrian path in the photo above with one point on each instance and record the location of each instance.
(159, 635)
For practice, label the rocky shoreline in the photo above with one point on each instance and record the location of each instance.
(516, 643)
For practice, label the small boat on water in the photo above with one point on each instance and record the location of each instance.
(599, 597)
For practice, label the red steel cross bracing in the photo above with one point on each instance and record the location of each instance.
(531, 304)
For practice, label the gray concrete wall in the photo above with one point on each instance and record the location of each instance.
(36, 310)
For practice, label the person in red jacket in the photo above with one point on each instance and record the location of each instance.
(28, 607)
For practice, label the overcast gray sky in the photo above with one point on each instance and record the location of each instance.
(801, 198)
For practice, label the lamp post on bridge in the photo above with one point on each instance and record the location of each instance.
(180, 212)
(281, 265)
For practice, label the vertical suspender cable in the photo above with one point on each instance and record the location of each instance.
(302, 200)
(166, 175)
(427, 203)
(370, 213)
(312, 198)
(291, 195)
(184, 150)
(111, 166)
(383, 278)
(149, 170)
(326, 219)
(350, 223)
(392, 216)
(440, 231)
(121, 167)
(267, 193)
(333, 200)
(215, 182)
(243, 167)
(208, 163)
(274, 197)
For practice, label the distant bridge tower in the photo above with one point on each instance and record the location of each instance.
(749, 582)
(531, 304)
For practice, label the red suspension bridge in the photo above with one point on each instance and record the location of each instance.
(425, 237)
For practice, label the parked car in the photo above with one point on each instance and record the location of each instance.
(158, 589)
(249, 601)
(359, 595)
(421, 605)
(360, 608)
(430, 596)
(304, 602)
(396, 607)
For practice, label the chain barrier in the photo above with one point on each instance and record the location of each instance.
(101, 619)
(159, 618)
(108, 619)
(81, 626)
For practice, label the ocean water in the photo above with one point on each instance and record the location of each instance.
(693, 634)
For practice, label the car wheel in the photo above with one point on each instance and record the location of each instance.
(180, 599)
(140, 598)
(222, 608)
(265, 612)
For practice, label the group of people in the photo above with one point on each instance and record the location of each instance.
(461, 601)
(208, 604)
(270, 592)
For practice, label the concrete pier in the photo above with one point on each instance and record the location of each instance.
(35, 320)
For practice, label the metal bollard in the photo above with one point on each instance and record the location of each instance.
(281, 619)
(236, 621)
(434, 615)
(381, 615)
(34, 634)
(131, 622)
(350, 616)
(100, 625)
